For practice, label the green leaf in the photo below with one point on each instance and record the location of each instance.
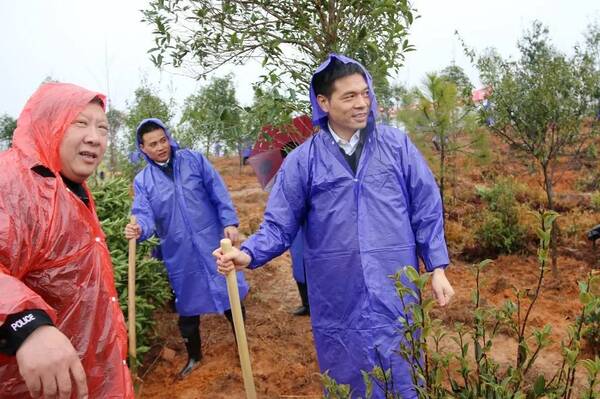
(591, 366)
(454, 386)
(478, 351)
(368, 384)
(585, 298)
(539, 386)
(411, 273)
(523, 352)
(484, 263)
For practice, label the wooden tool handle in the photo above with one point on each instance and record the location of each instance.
(131, 300)
(238, 323)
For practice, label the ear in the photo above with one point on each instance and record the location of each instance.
(323, 102)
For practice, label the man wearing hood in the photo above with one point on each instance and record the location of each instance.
(62, 333)
(368, 205)
(181, 198)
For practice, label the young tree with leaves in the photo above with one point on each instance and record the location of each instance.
(439, 114)
(270, 107)
(589, 56)
(116, 120)
(455, 74)
(8, 124)
(290, 37)
(146, 104)
(212, 115)
(539, 103)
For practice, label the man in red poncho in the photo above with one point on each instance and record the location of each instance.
(62, 333)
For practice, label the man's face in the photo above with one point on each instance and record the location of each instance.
(155, 144)
(84, 143)
(348, 105)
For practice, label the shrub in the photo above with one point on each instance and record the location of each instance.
(458, 236)
(481, 153)
(577, 222)
(589, 180)
(591, 153)
(113, 204)
(500, 231)
(595, 201)
(592, 320)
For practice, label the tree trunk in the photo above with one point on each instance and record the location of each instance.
(208, 143)
(442, 176)
(113, 149)
(554, 235)
(113, 154)
(241, 156)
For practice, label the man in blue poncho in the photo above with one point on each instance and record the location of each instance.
(182, 199)
(368, 205)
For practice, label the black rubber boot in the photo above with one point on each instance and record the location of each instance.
(229, 316)
(190, 366)
(190, 331)
(303, 310)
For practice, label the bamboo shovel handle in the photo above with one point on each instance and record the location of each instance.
(131, 298)
(238, 323)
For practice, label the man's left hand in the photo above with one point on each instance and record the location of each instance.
(231, 232)
(442, 289)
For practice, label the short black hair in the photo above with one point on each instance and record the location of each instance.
(323, 81)
(147, 128)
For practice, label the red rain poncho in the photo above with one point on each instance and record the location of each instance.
(53, 255)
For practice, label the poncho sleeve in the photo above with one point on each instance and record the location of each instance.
(142, 210)
(284, 213)
(217, 192)
(426, 210)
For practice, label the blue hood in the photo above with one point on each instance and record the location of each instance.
(320, 117)
(172, 142)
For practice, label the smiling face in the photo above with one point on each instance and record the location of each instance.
(348, 105)
(84, 143)
(156, 145)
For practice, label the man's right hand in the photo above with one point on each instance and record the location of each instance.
(50, 365)
(133, 230)
(234, 259)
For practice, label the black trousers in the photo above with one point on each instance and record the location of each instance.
(189, 327)
(303, 290)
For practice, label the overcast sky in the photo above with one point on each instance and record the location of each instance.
(102, 45)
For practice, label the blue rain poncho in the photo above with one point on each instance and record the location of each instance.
(188, 213)
(358, 230)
